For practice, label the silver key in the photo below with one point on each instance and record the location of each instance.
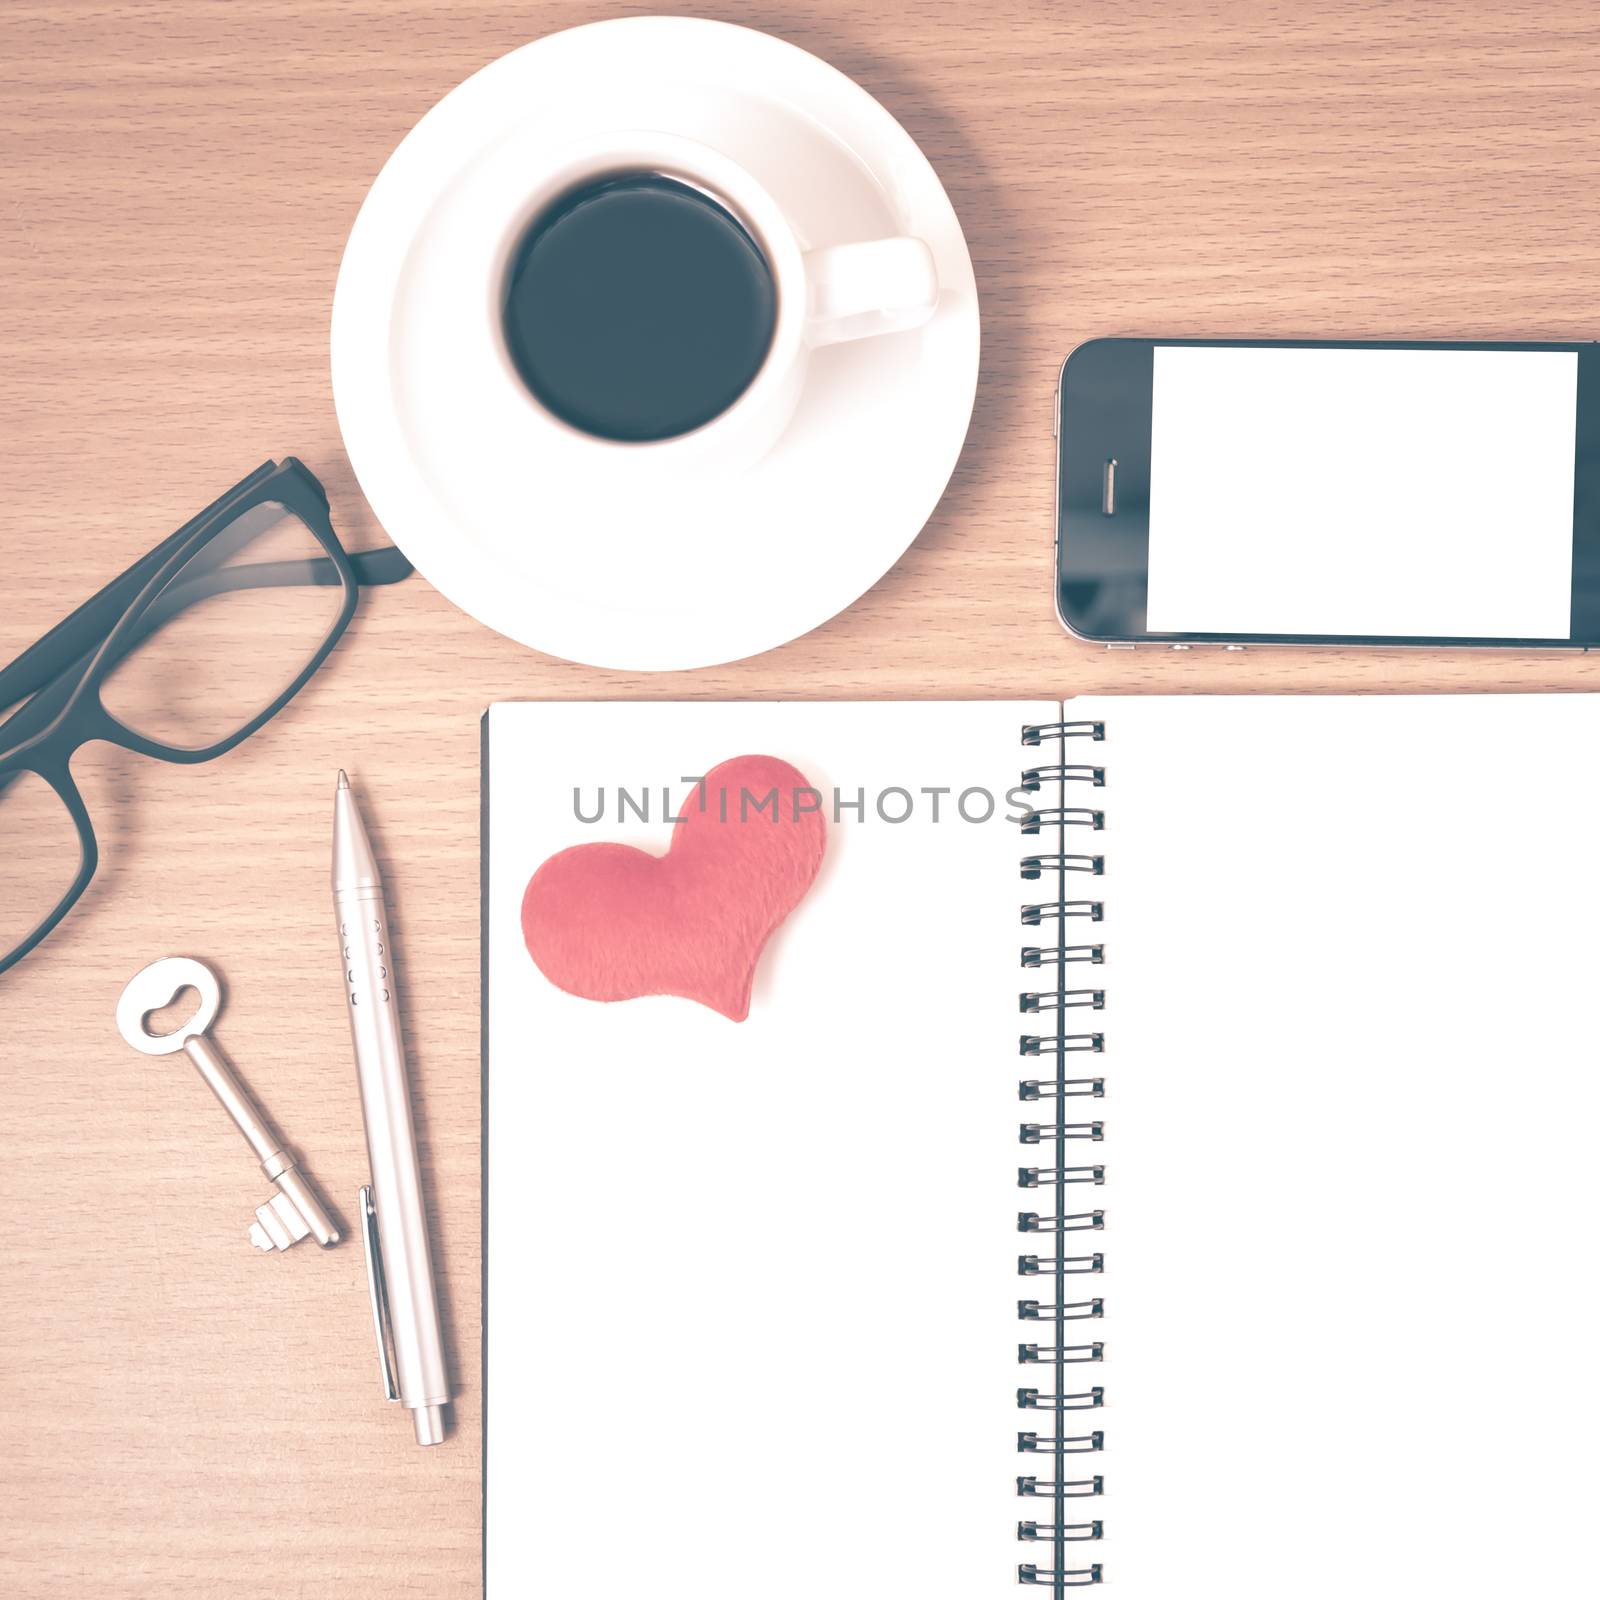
(295, 1210)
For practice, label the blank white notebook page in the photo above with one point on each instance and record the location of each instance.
(751, 1295)
(1352, 1196)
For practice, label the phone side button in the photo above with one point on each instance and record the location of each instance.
(1055, 415)
(1119, 645)
(1234, 647)
(1180, 647)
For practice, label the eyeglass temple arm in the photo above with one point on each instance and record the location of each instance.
(371, 567)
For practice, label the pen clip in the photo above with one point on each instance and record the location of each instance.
(373, 1252)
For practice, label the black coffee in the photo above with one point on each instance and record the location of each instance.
(638, 308)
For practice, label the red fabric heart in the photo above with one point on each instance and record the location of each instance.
(609, 922)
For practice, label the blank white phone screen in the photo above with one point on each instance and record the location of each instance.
(1420, 493)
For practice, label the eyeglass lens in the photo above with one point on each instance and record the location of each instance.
(40, 854)
(228, 633)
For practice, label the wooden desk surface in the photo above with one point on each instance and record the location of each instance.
(183, 1416)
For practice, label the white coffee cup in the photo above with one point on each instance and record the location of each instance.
(823, 296)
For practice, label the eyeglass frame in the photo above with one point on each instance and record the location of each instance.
(44, 672)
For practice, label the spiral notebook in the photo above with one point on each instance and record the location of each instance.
(1180, 1179)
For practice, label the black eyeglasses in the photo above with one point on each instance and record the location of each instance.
(188, 652)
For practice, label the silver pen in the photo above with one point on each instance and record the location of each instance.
(394, 1227)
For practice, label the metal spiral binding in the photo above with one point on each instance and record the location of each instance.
(1032, 956)
(1035, 867)
(1034, 778)
(1037, 916)
(1076, 1088)
(1063, 1000)
(1059, 1363)
(1036, 734)
(1032, 1045)
(1066, 1222)
(1065, 817)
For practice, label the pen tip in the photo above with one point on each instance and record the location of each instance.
(344, 782)
(429, 1424)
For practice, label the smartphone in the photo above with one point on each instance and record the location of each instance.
(1243, 491)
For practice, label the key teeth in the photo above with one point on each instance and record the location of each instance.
(278, 1224)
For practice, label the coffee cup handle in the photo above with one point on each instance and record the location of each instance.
(855, 291)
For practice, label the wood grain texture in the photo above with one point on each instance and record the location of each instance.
(183, 1416)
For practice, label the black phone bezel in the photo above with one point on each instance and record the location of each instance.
(1101, 563)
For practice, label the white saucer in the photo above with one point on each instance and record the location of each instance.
(713, 571)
